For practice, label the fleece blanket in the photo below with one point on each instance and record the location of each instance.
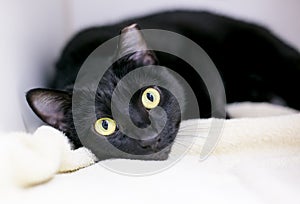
(256, 159)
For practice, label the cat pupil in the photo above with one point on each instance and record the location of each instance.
(150, 97)
(105, 124)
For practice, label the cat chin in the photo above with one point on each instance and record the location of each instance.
(158, 156)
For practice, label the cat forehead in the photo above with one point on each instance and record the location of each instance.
(135, 79)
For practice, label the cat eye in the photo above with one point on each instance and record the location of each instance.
(105, 126)
(150, 98)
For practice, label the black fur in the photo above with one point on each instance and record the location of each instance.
(254, 64)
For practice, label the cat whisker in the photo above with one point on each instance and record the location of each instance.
(195, 134)
(190, 136)
(183, 124)
(194, 128)
(186, 141)
(186, 137)
(182, 143)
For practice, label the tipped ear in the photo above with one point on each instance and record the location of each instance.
(132, 41)
(51, 106)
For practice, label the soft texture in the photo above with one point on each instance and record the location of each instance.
(256, 159)
(28, 159)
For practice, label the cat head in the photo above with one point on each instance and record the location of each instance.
(56, 107)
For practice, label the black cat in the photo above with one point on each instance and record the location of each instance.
(254, 64)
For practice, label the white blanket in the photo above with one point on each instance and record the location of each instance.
(257, 160)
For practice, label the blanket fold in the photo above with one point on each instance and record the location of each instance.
(30, 159)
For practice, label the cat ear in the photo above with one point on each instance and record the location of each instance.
(132, 41)
(51, 106)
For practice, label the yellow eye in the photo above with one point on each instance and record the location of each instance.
(150, 98)
(105, 126)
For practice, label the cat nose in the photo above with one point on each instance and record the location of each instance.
(152, 143)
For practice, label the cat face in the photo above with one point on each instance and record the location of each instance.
(55, 108)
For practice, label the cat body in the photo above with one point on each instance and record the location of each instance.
(254, 64)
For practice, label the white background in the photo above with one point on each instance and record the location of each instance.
(33, 32)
